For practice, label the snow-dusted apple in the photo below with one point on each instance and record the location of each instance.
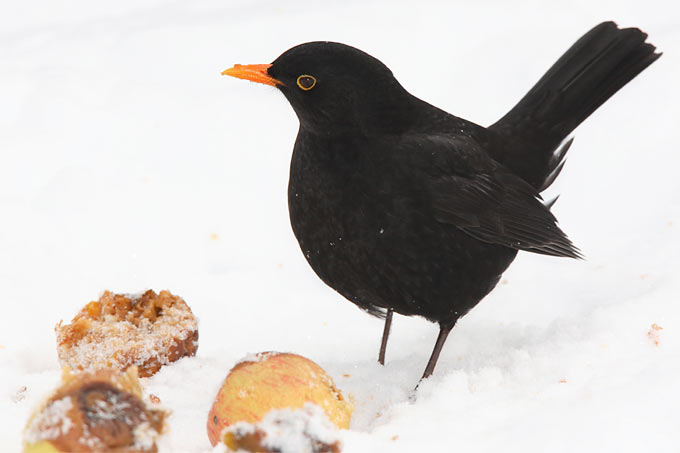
(306, 430)
(271, 380)
(95, 411)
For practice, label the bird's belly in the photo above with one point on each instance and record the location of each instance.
(388, 253)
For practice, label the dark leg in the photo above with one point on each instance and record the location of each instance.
(386, 333)
(444, 330)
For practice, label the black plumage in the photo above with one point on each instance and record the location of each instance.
(402, 207)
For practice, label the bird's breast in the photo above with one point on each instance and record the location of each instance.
(330, 200)
(366, 228)
(337, 211)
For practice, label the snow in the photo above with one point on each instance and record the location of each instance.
(129, 163)
(289, 430)
(51, 423)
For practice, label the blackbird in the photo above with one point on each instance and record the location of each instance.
(402, 207)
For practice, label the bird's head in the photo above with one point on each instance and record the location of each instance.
(335, 88)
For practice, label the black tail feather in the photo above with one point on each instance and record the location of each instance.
(590, 72)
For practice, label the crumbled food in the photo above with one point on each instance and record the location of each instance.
(653, 333)
(120, 330)
(20, 394)
(96, 411)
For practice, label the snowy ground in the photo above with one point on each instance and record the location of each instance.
(128, 162)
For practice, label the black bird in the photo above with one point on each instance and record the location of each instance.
(402, 207)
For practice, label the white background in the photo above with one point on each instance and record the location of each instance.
(127, 162)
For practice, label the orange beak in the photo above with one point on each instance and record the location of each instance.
(253, 72)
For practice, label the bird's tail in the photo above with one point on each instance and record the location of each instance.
(590, 72)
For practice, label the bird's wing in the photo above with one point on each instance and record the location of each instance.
(484, 199)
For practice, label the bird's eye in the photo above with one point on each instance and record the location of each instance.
(306, 82)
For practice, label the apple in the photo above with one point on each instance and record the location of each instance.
(289, 430)
(95, 411)
(272, 380)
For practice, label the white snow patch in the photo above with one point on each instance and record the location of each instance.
(123, 151)
(292, 431)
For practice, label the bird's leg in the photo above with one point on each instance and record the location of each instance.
(444, 330)
(386, 333)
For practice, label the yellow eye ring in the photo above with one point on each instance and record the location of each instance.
(306, 82)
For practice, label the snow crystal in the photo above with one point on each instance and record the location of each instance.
(256, 357)
(145, 436)
(52, 422)
(292, 431)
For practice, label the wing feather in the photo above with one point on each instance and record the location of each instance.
(498, 207)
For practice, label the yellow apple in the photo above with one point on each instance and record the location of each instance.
(273, 380)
